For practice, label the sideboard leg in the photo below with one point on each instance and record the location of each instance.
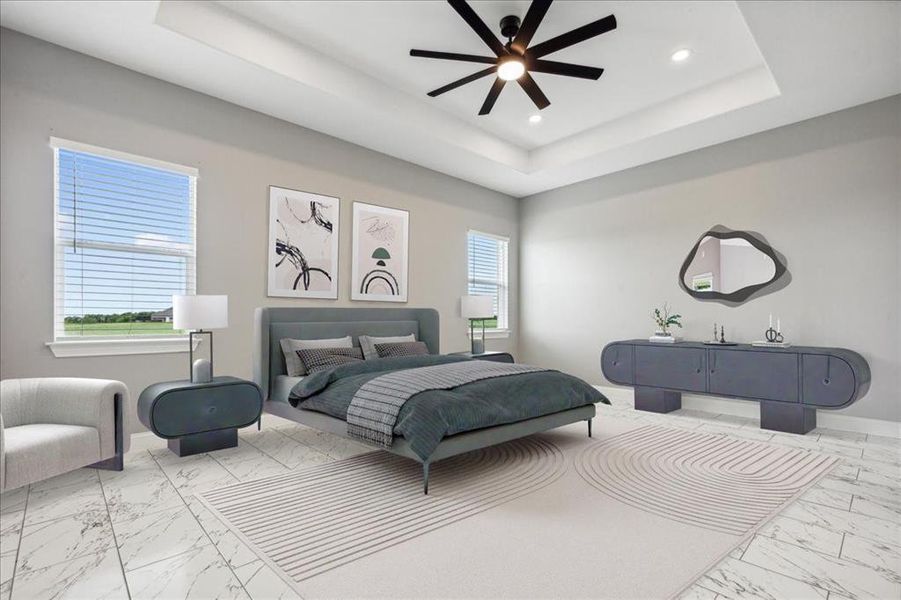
(787, 417)
(656, 400)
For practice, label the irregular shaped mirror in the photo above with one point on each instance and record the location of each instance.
(732, 267)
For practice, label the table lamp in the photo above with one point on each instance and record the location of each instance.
(477, 308)
(199, 314)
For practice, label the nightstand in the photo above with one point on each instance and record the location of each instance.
(504, 357)
(200, 417)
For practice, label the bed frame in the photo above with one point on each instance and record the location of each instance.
(273, 324)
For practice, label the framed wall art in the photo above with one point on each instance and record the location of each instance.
(303, 244)
(380, 253)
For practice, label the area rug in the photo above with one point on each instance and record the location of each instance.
(636, 512)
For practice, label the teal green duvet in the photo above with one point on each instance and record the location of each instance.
(430, 416)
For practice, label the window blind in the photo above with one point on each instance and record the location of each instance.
(125, 243)
(487, 266)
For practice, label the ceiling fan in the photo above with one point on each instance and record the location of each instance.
(515, 59)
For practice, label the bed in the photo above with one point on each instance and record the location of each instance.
(270, 373)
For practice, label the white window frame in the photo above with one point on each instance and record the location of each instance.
(503, 317)
(73, 346)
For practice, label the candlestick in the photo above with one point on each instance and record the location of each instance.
(771, 319)
(779, 325)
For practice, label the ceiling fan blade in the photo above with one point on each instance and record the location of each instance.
(530, 24)
(493, 93)
(478, 25)
(569, 70)
(464, 81)
(531, 88)
(488, 60)
(575, 36)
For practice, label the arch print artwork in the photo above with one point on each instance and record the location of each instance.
(379, 260)
(303, 244)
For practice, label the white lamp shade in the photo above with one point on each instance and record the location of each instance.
(199, 312)
(477, 307)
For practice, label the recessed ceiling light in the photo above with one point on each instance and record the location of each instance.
(511, 69)
(681, 55)
(535, 119)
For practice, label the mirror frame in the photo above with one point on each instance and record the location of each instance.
(780, 278)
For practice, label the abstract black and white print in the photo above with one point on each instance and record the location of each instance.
(303, 244)
(380, 240)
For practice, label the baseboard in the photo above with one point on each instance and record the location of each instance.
(145, 440)
(744, 408)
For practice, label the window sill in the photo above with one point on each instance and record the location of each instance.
(491, 334)
(111, 347)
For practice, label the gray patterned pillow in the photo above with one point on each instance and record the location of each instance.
(316, 359)
(401, 349)
(290, 347)
(368, 342)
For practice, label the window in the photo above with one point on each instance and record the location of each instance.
(124, 241)
(488, 273)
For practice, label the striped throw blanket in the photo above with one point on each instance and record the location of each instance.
(373, 411)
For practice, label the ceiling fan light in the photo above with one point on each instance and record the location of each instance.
(511, 69)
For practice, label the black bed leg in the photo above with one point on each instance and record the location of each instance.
(589, 427)
(425, 478)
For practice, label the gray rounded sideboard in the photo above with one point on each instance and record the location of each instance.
(789, 383)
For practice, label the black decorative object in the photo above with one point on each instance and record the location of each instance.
(780, 278)
(773, 336)
(721, 341)
(515, 60)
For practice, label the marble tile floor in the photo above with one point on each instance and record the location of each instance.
(141, 533)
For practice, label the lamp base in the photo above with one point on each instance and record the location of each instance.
(478, 346)
(201, 371)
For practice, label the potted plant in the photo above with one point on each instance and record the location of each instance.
(664, 321)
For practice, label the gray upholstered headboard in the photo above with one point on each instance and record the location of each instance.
(270, 325)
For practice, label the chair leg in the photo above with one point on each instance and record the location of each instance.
(589, 427)
(425, 478)
(116, 463)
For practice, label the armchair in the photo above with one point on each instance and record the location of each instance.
(49, 426)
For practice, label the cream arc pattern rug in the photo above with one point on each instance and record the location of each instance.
(638, 511)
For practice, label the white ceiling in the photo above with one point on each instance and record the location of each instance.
(376, 38)
(344, 68)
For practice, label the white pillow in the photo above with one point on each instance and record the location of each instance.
(367, 343)
(290, 348)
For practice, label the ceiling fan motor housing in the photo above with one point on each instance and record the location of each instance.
(510, 26)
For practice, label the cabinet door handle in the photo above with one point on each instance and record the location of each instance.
(828, 371)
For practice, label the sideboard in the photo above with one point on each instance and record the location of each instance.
(789, 383)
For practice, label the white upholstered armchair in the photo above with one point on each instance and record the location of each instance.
(52, 425)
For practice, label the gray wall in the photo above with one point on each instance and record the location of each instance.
(46, 90)
(598, 256)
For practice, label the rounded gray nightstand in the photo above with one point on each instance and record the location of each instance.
(200, 417)
(504, 357)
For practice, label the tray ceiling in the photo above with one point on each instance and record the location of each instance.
(344, 68)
